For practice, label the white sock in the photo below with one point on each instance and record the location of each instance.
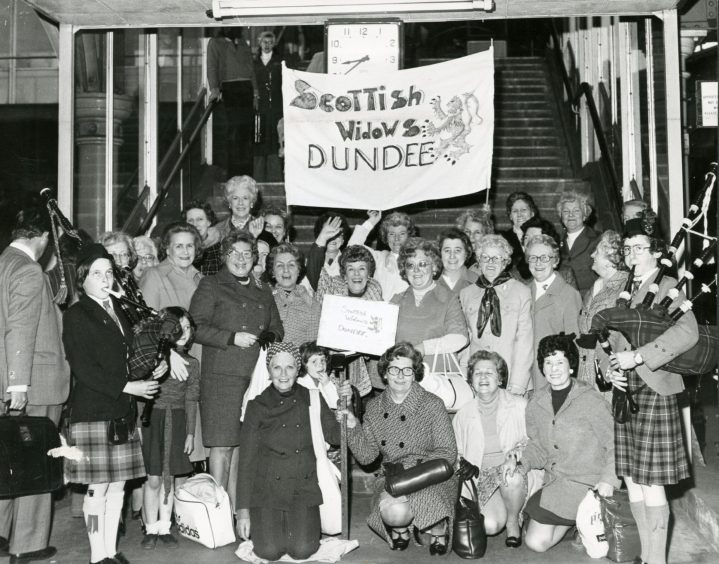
(163, 527)
(93, 508)
(152, 528)
(113, 510)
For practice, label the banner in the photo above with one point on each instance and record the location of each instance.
(380, 141)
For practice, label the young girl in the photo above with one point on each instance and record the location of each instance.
(313, 373)
(168, 440)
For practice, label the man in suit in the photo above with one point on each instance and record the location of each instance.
(34, 374)
(579, 239)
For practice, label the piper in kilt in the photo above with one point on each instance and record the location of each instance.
(649, 449)
(96, 335)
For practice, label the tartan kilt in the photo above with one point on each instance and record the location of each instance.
(650, 447)
(103, 462)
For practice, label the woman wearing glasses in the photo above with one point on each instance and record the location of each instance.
(556, 303)
(406, 424)
(651, 452)
(430, 315)
(232, 309)
(498, 310)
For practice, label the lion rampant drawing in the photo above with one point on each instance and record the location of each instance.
(455, 124)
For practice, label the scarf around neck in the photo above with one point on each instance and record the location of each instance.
(489, 309)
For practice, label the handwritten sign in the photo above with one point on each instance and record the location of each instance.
(387, 139)
(357, 325)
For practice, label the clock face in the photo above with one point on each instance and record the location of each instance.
(356, 48)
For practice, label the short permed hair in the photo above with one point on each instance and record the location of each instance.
(284, 214)
(610, 245)
(409, 250)
(495, 241)
(239, 237)
(402, 349)
(357, 253)
(558, 343)
(243, 181)
(484, 218)
(526, 198)
(396, 219)
(111, 237)
(547, 227)
(543, 240)
(199, 205)
(499, 363)
(458, 234)
(584, 199)
(289, 248)
(180, 227)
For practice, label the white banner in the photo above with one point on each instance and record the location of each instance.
(380, 141)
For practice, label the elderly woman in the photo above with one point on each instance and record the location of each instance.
(279, 223)
(650, 448)
(556, 303)
(146, 252)
(457, 254)
(234, 314)
(404, 425)
(520, 208)
(475, 224)
(632, 209)
(299, 312)
(208, 257)
(119, 245)
(608, 263)
(241, 194)
(570, 437)
(538, 226)
(580, 240)
(498, 310)
(278, 494)
(430, 315)
(394, 230)
(489, 430)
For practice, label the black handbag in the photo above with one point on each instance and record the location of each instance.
(418, 477)
(25, 467)
(469, 537)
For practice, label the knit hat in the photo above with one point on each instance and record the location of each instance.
(90, 252)
(284, 347)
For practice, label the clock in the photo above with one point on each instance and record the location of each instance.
(358, 47)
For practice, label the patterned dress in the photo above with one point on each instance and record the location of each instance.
(418, 429)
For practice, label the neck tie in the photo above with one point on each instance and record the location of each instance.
(111, 312)
(635, 286)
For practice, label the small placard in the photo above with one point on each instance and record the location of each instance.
(706, 103)
(357, 325)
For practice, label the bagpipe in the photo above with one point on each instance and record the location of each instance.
(648, 321)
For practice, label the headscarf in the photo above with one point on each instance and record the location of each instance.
(489, 309)
(284, 347)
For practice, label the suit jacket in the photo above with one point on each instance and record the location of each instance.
(579, 257)
(31, 347)
(97, 351)
(556, 311)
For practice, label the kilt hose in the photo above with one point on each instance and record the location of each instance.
(650, 447)
(102, 462)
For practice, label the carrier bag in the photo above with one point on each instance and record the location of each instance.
(591, 526)
(620, 527)
(203, 512)
(447, 382)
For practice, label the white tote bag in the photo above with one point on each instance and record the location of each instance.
(449, 383)
(259, 380)
(591, 526)
(203, 512)
(328, 475)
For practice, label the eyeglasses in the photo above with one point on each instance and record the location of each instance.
(542, 258)
(490, 260)
(396, 370)
(485, 373)
(146, 259)
(234, 254)
(638, 249)
(123, 255)
(572, 212)
(421, 265)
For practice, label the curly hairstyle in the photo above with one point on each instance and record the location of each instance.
(483, 217)
(558, 343)
(641, 204)
(357, 253)
(310, 349)
(344, 225)
(403, 349)
(243, 181)
(584, 199)
(396, 219)
(289, 248)
(546, 226)
(495, 241)
(111, 237)
(610, 245)
(284, 215)
(543, 240)
(499, 363)
(199, 205)
(524, 197)
(180, 227)
(239, 237)
(458, 234)
(409, 250)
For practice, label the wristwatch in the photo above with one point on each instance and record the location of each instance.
(638, 358)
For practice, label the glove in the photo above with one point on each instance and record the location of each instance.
(265, 339)
(392, 468)
(466, 470)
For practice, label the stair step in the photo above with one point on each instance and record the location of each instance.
(503, 120)
(526, 161)
(514, 151)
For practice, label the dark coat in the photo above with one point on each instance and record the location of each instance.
(269, 103)
(97, 352)
(221, 307)
(579, 258)
(277, 467)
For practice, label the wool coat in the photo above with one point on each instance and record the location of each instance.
(579, 257)
(556, 311)
(418, 429)
(575, 447)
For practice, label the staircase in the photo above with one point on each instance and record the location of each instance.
(530, 155)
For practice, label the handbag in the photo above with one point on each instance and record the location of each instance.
(203, 513)
(328, 475)
(620, 527)
(591, 526)
(259, 380)
(448, 384)
(25, 467)
(469, 537)
(423, 475)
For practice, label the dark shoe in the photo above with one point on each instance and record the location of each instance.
(148, 542)
(513, 542)
(437, 548)
(399, 540)
(168, 540)
(4, 546)
(119, 558)
(24, 557)
(638, 560)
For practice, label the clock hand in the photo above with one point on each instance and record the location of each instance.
(357, 63)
